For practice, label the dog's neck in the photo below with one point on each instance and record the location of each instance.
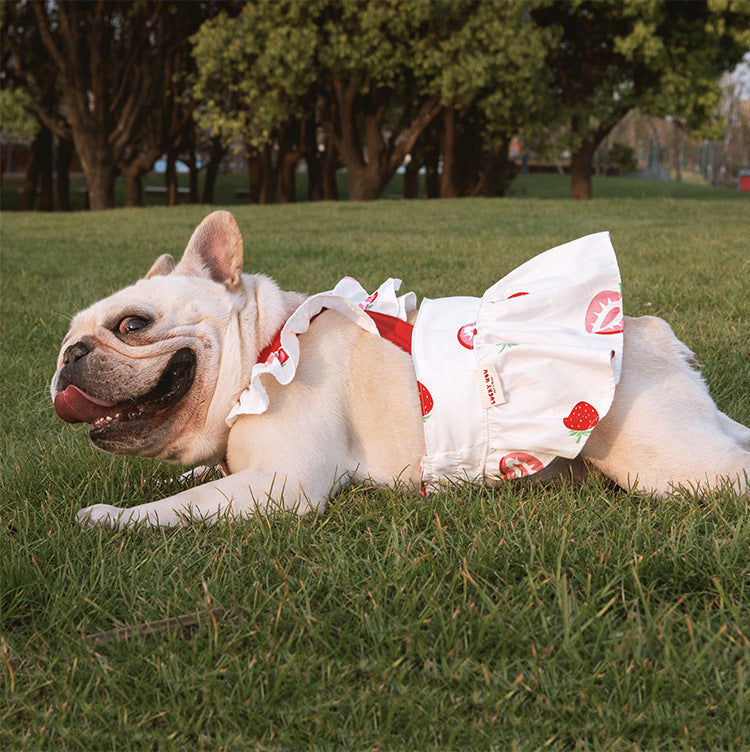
(230, 365)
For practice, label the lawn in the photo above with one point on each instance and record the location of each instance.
(555, 617)
(231, 189)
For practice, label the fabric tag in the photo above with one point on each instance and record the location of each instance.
(490, 387)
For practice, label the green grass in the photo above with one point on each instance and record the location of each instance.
(231, 187)
(522, 618)
(552, 185)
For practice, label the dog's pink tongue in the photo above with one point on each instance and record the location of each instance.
(75, 406)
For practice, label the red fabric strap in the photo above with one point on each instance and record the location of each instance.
(393, 329)
(271, 347)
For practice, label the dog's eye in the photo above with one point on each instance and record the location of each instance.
(132, 324)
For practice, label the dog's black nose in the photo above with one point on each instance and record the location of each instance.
(75, 352)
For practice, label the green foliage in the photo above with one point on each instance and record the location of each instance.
(493, 58)
(623, 158)
(264, 67)
(575, 68)
(16, 124)
(699, 41)
(373, 39)
(517, 618)
(666, 57)
(255, 70)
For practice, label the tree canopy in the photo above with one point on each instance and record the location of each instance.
(18, 122)
(371, 76)
(613, 55)
(370, 84)
(103, 79)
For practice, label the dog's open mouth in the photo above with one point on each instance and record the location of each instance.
(73, 405)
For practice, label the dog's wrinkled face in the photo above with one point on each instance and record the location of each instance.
(143, 366)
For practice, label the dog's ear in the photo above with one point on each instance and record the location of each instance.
(214, 251)
(162, 266)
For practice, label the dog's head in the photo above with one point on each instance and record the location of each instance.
(154, 368)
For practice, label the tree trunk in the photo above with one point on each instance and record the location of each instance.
(330, 167)
(432, 174)
(291, 147)
(344, 134)
(328, 158)
(101, 188)
(369, 176)
(134, 171)
(212, 170)
(498, 173)
(64, 158)
(46, 199)
(170, 178)
(677, 151)
(411, 180)
(133, 188)
(98, 163)
(193, 168)
(449, 182)
(269, 172)
(30, 182)
(97, 156)
(314, 176)
(254, 175)
(215, 154)
(288, 171)
(82, 56)
(364, 186)
(313, 159)
(580, 171)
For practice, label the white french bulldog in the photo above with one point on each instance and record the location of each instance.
(156, 368)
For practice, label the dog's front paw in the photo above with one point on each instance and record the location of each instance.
(99, 514)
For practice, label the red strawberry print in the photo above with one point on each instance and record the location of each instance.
(519, 465)
(604, 314)
(425, 400)
(583, 417)
(466, 335)
(281, 355)
(369, 301)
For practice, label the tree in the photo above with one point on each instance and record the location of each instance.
(255, 82)
(112, 59)
(490, 76)
(27, 68)
(282, 70)
(665, 56)
(469, 73)
(17, 124)
(371, 54)
(375, 76)
(736, 113)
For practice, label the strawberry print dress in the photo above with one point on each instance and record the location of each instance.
(507, 382)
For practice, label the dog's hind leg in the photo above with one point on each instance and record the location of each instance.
(663, 430)
(740, 433)
(575, 470)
